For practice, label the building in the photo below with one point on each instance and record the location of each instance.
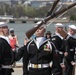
(37, 3)
(23, 1)
(71, 0)
(13, 1)
(18, 1)
(5, 1)
(32, 2)
(10, 1)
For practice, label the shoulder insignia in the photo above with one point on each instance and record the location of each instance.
(53, 38)
(32, 44)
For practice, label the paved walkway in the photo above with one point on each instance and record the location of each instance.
(18, 69)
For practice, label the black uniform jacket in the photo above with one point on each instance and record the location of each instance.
(6, 54)
(72, 41)
(58, 53)
(32, 54)
(72, 45)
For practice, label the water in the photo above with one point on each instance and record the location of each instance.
(21, 28)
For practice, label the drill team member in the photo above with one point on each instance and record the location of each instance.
(37, 55)
(70, 57)
(6, 54)
(57, 39)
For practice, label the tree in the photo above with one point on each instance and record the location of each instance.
(73, 17)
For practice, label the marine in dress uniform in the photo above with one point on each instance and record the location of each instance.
(57, 39)
(37, 55)
(6, 54)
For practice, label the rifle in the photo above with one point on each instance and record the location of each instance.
(53, 7)
(55, 19)
(58, 16)
(49, 13)
(30, 32)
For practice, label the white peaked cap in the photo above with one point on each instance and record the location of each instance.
(2, 24)
(72, 27)
(59, 25)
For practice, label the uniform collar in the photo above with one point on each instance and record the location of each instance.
(6, 38)
(71, 35)
(39, 41)
(58, 35)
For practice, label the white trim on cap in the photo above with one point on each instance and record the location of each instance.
(2, 24)
(59, 25)
(72, 27)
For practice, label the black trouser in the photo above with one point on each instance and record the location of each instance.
(69, 69)
(39, 71)
(6, 71)
(57, 71)
(56, 68)
(14, 63)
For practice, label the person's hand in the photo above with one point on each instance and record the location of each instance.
(75, 52)
(62, 65)
(66, 54)
(73, 63)
(63, 33)
(26, 41)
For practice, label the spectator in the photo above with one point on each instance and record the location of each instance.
(13, 41)
(48, 35)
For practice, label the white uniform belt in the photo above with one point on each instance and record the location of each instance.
(60, 52)
(6, 66)
(39, 65)
(71, 49)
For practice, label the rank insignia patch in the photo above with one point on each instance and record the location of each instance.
(32, 44)
(47, 47)
(54, 39)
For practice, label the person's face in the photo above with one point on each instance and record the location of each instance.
(48, 36)
(72, 31)
(0, 29)
(40, 32)
(5, 30)
(59, 28)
